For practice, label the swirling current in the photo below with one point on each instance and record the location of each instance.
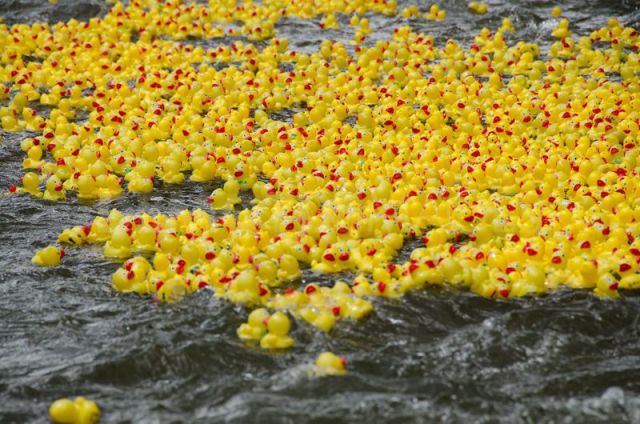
(438, 355)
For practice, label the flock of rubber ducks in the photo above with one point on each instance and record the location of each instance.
(515, 172)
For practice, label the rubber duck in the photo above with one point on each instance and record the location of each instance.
(562, 30)
(361, 286)
(435, 13)
(607, 286)
(410, 11)
(171, 291)
(119, 245)
(288, 268)
(226, 197)
(170, 171)
(86, 187)
(144, 238)
(54, 190)
(78, 411)
(245, 288)
(256, 326)
(277, 336)
(99, 230)
(140, 185)
(328, 363)
(131, 277)
(49, 256)
(34, 158)
(319, 317)
(75, 235)
(329, 22)
(478, 7)
(31, 184)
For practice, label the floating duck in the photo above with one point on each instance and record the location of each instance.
(226, 197)
(54, 189)
(34, 158)
(171, 291)
(478, 7)
(329, 22)
(49, 256)
(119, 245)
(328, 363)
(31, 184)
(78, 411)
(132, 276)
(256, 326)
(245, 288)
(435, 13)
(288, 268)
(140, 185)
(76, 235)
(278, 326)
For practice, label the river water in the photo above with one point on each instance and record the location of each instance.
(432, 356)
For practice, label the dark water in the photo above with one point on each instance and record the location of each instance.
(432, 356)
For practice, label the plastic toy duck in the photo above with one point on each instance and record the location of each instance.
(170, 171)
(86, 187)
(171, 291)
(331, 261)
(607, 286)
(144, 237)
(226, 197)
(31, 184)
(278, 326)
(288, 268)
(76, 235)
(435, 13)
(131, 277)
(329, 22)
(78, 411)
(49, 256)
(328, 363)
(99, 230)
(34, 158)
(54, 189)
(119, 245)
(319, 317)
(532, 281)
(108, 186)
(478, 7)
(562, 30)
(361, 286)
(255, 327)
(245, 288)
(140, 185)
(203, 169)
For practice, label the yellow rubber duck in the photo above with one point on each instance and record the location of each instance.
(435, 13)
(140, 185)
(54, 189)
(478, 7)
(278, 326)
(31, 184)
(76, 235)
(255, 327)
(226, 197)
(288, 268)
(328, 363)
(49, 256)
(78, 411)
(119, 245)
